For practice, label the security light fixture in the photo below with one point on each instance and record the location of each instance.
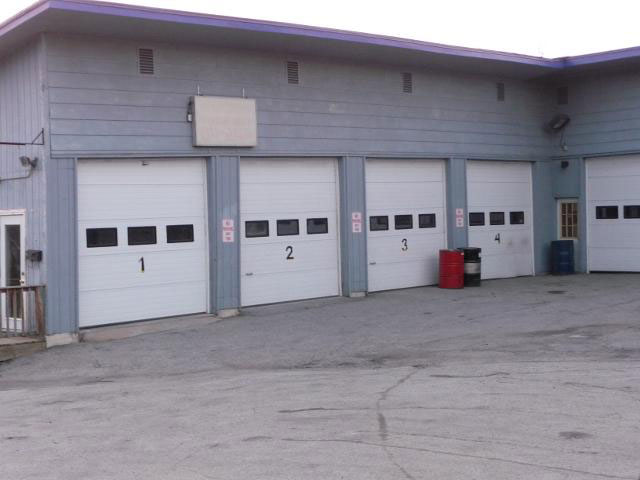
(28, 161)
(558, 123)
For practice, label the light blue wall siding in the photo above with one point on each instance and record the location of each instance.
(100, 105)
(223, 174)
(457, 237)
(21, 119)
(62, 243)
(353, 244)
(544, 214)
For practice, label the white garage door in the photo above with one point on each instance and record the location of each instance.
(142, 239)
(289, 230)
(406, 224)
(613, 210)
(499, 197)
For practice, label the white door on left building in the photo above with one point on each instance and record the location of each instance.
(142, 239)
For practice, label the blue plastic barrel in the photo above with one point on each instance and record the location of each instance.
(562, 257)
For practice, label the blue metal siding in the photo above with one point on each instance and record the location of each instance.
(21, 119)
(353, 244)
(457, 237)
(101, 106)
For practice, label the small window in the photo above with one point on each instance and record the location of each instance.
(316, 226)
(568, 219)
(378, 223)
(607, 212)
(632, 211)
(256, 228)
(500, 91)
(496, 218)
(563, 95)
(476, 219)
(288, 227)
(407, 82)
(102, 237)
(145, 61)
(403, 222)
(427, 220)
(179, 233)
(142, 235)
(516, 218)
(293, 73)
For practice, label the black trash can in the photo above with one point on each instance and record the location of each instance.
(472, 266)
(562, 262)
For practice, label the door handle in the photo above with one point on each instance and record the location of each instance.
(249, 274)
(373, 263)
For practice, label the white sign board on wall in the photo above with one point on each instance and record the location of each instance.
(224, 122)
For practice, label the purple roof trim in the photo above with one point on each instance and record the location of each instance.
(174, 16)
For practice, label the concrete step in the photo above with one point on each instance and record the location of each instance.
(14, 347)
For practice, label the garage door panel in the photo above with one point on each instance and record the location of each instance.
(124, 193)
(507, 250)
(613, 244)
(410, 196)
(132, 172)
(287, 170)
(273, 198)
(498, 194)
(614, 189)
(142, 201)
(289, 189)
(404, 187)
(277, 258)
(610, 167)
(118, 305)
(389, 171)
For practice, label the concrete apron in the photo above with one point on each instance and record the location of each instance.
(127, 330)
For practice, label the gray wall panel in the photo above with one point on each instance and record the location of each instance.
(224, 258)
(456, 198)
(21, 119)
(353, 244)
(544, 214)
(339, 107)
(62, 280)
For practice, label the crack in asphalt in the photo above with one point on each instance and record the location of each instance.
(383, 429)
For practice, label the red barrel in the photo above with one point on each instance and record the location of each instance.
(451, 269)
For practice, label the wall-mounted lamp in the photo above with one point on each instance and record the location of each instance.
(28, 161)
(557, 125)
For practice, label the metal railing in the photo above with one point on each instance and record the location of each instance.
(22, 311)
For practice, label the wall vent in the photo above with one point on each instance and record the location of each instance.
(563, 95)
(500, 91)
(407, 82)
(293, 73)
(145, 61)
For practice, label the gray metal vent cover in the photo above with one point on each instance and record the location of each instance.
(293, 73)
(407, 82)
(145, 61)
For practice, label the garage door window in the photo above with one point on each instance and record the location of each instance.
(427, 220)
(317, 226)
(476, 219)
(607, 212)
(288, 227)
(378, 223)
(632, 211)
(516, 218)
(142, 235)
(256, 228)
(496, 218)
(403, 222)
(179, 233)
(102, 237)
